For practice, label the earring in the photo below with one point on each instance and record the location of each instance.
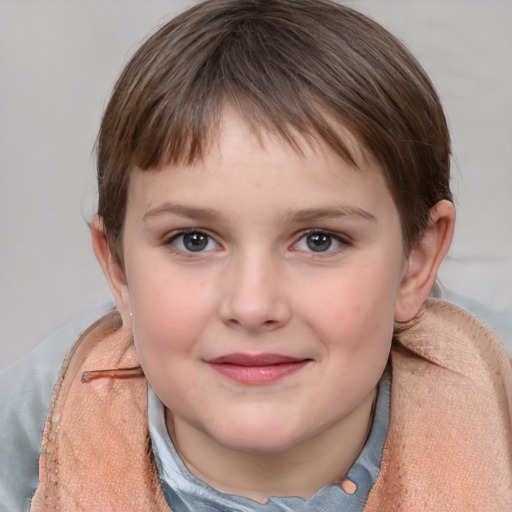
(131, 314)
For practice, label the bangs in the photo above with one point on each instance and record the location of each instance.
(179, 107)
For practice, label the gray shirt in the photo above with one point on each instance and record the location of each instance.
(186, 493)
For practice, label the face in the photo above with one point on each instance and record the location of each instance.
(263, 285)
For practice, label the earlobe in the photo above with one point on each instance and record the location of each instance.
(424, 261)
(112, 270)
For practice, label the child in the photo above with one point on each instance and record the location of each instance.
(274, 204)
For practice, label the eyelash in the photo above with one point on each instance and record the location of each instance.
(183, 251)
(342, 241)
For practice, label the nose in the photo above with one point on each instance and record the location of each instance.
(254, 296)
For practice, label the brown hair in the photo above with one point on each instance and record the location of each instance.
(288, 66)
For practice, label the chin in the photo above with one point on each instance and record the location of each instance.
(259, 436)
(260, 446)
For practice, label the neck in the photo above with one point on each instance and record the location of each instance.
(299, 471)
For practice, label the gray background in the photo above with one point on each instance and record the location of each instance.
(58, 62)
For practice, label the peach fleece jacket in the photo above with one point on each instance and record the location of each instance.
(449, 445)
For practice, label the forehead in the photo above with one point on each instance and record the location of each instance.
(243, 164)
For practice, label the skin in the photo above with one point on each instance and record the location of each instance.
(258, 287)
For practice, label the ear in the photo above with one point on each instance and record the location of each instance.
(424, 260)
(113, 271)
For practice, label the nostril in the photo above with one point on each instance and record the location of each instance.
(255, 311)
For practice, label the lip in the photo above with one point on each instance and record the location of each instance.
(256, 368)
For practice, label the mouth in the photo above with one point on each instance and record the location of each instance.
(257, 368)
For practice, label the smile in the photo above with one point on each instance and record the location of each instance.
(257, 369)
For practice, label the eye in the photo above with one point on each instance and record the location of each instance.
(193, 241)
(319, 241)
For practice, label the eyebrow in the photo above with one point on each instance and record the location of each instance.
(318, 214)
(290, 217)
(189, 212)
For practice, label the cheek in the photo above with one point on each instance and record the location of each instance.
(355, 313)
(169, 315)
(167, 325)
